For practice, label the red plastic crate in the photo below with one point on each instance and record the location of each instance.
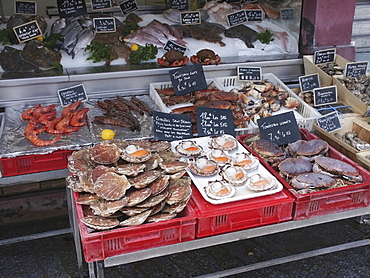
(99, 245)
(27, 164)
(329, 200)
(240, 215)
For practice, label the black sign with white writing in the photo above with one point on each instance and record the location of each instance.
(324, 56)
(24, 7)
(356, 69)
(188, 79)
(104, 24)
(171, 127)
(287, 14)
(280, 129)
(214, 121)
(179, 4)
(101, 4)
(325, 95)
(27, 31)
(236, 18)
(128, 6)
(69, 8)
(70, 95)
(190, 18)
(329, 122)
(254, 15)
(249, 73)
(309, 82)
(170, 45)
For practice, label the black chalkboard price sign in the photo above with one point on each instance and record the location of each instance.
(280, 129)
(104, 24)
(170, 45)
(171, 127)
(128, 6)
(309, 82)
(329, 122)
(188, 79)
(70, 95)
(179, 4)
(214, 121)
(324, 56)
(287, 14)
(100, 4)
(69, 8)
(25, 7)
(190, 18)
(236, 18)
(325, 95)
(249, 73)
(356, 69)
(254, 15)
(27, 31)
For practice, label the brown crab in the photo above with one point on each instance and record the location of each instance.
(271, 152)
(206, 57)
(313, 148)
(312, 181)
(173, 58)
(292, 167)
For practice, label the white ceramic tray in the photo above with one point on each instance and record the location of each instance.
(242, 192)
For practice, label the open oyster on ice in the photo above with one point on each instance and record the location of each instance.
(258, 182)
(219, 190)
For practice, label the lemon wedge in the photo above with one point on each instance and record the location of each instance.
(107, 134)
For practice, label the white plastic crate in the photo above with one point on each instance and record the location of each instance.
(167, 109)
(305, 114)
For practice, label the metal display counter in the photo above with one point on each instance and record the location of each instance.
(96, 269)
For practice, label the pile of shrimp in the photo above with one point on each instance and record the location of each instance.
(44, 118)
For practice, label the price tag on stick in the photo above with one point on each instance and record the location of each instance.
(190, 18)
(236, 18)
(27, 31)
(25, 7)
(128, 6)
(355, 69)
(188, 79)
(329, 122)
(101, 4)
(71, 8)
(104, 24)
(309, 82)
(280, 129)
(214, 121)
(324, 56)
(249, 73)
(70, 95)
(171, 127)
(325, 95)
(179, 4)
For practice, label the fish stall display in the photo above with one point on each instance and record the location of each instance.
(73, 42)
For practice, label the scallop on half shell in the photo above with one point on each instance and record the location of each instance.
(258, 182)
(202, 166)
(224, 142)
(234, 175)
(248, 161)
(189, 148)
(219, 190)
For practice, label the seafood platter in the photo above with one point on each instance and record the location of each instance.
(270, 97)
(130, 195)
(321, 179)
(37, 138)
(224, 171)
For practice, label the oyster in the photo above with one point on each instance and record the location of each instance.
(99, 222)
(107, 208)
(111, 186)
(248, 161)
(258, 182)
(189, 148)
(137, 219)
(234, 175)
(219, 156)
(145, 178)
(224, 142)
(219, 190)
(135, 154)
(105, 153)
(137, 196)
(203, 166)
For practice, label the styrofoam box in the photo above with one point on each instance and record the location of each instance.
(163, 108)
(304, 113)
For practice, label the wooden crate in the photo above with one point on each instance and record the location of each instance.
(311, 68)
(352, 123)
(362, 159)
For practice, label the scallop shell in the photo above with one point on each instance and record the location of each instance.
(145, 178)
(106, 208)
(224, 142)
(137, 219)
(111, 186)
(130, 169)
(105, 153)
(219, 156)
(234, 175)
(202, 166)
(189, 148)
(153, 200)
(159, 184)
(99, 223)
(137, 196)
(258, 182)
(160, 217)
(219, 190)
(172, 167)
(86, 199)
(248, 161)
(160, 146)
(131, 211)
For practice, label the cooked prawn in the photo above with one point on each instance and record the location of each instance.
(79, 117)
(39, 142)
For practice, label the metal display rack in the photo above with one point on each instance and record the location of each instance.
(96, 269)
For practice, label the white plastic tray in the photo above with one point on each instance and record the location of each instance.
(242, 192)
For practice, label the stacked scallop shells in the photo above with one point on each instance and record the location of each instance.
(122, 183)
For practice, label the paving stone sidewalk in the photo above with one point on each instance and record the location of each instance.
(55, 256)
